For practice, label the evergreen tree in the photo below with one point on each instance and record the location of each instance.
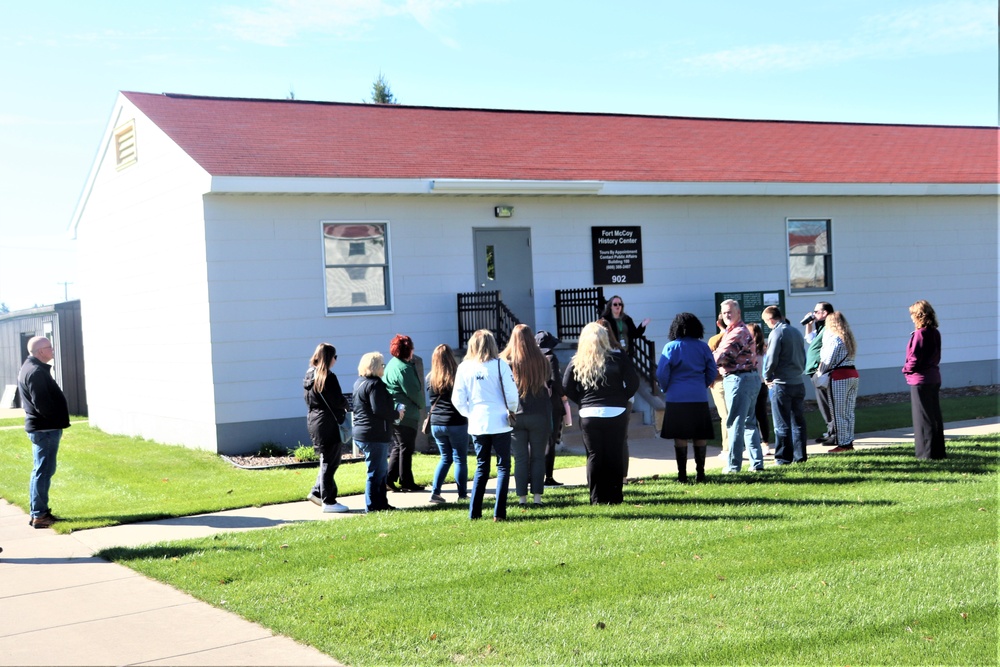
(381, 93)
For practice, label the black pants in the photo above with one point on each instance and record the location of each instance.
(604, 439)
(404, 442)
(928, 425)
(554, 438)
(763, 421)
(329, 461)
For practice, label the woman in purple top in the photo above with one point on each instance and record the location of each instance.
(923, 374)
(685, 371)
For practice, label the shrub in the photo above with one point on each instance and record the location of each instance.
(305, 453)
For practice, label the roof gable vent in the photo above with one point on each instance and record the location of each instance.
(125, 154)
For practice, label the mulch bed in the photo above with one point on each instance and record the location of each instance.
(254, 462)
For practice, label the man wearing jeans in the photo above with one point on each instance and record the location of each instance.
(784, 365)
(45, 416)
(736, 358)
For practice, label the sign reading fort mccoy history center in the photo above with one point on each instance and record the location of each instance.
(617, 254)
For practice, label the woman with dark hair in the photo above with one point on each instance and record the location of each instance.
(923, 374)
(403, 383)
(601, 384)
(763, 398)
(374, 413)
(534, 412)
(624, 329)
(685, 371)
(449, 428)
(836, 360)
(485, 392)
(327, 410)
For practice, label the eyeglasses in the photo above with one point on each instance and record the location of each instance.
(618, 305)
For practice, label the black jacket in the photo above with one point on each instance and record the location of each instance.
(621, 381)
(374, 411)
(443, 412)
(547, 342)
(322, 424)
(44, 404)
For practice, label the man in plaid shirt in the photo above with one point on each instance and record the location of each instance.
(736, 358)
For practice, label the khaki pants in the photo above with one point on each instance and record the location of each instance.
(719, 396)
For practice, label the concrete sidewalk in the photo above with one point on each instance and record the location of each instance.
(82, 610)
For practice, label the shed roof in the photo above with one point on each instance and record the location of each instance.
(293, 138)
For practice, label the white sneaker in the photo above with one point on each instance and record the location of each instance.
(314, 499)
(336, 508)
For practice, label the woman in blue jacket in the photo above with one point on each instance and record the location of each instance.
(685, 371)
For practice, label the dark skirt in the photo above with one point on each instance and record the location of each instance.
(687, 421)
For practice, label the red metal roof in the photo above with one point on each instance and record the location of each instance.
(291, 138)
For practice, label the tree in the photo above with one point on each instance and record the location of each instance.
(4, 309)
(381, 93)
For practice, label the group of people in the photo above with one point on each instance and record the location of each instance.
(512, 403)
(740, 369)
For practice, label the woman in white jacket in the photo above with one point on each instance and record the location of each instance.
(484, 392)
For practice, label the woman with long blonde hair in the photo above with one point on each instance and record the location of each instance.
(601, 384)
(836, 359)
(484, 393)
(534, 411)
(923, 375)
(449, 429)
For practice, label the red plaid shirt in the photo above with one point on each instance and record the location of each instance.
(737, 351)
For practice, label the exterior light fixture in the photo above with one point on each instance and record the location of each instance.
(503, 211)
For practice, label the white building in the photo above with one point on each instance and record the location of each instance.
(222, 239)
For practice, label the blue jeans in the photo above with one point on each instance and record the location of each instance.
(486, 444)
(741, 399)
(788, 409)
(377, 464)
(528, 441)
(453, 443)
(44, 448)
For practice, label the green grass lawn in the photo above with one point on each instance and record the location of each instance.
(870, 557)
(104, 480)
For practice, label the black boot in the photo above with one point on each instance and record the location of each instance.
(699, 462)
(682, 463)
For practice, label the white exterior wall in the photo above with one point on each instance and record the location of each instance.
(266, 277)
(144, 292)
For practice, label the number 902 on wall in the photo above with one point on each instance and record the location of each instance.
(618, 279)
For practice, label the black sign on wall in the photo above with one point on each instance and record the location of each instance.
(617, 255)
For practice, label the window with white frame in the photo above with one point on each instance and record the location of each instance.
(356, 260)
(810, 259)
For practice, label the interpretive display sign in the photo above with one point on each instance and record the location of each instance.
(752, 304)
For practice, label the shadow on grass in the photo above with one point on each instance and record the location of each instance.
(159, 552)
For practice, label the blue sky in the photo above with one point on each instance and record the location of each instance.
(884, 61)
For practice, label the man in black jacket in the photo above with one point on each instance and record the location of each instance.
(45, 416)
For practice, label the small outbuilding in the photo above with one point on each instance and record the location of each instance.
(222, 239)
(61, 324)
